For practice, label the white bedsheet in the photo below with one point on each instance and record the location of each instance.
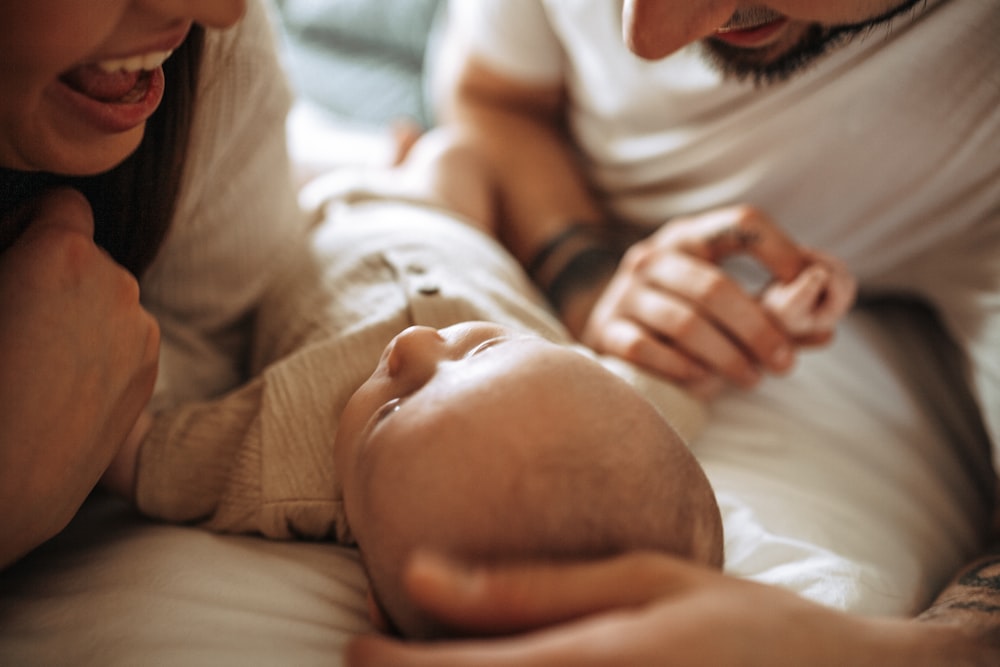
(858, 481)
(833, 483)
(861, 480)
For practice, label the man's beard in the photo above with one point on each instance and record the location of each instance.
(756, 64)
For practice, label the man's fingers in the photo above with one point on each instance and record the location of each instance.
(631, 341)
(585, 643)
(518, 598)
(591, 606)
(738, 230)
(718, 299)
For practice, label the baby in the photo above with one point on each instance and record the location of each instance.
(503, 446)
(490, 444)
(423, 397)
(427, 398)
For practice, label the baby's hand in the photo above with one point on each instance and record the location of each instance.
(810, 306)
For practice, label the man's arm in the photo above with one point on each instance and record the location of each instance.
(548, 215)
(971, 602)
(520, 128)
(638, 608)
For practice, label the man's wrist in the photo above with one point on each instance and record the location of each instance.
(574, 263)
(969, 608)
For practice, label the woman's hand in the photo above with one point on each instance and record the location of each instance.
(640, 609)
(78, 359)
(671, 309)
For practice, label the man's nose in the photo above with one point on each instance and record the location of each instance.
(653, 29)
(209, 13)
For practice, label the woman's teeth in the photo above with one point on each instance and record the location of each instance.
(144, 62)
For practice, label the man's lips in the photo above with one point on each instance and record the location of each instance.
(754, 36)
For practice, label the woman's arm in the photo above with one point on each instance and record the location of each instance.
(78, 357)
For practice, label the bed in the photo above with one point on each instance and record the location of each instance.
(857, 481)
(834, 482)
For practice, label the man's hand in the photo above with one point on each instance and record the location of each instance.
(78, 359)
(671, 309)
(644, 609)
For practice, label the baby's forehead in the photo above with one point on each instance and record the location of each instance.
(531, 390)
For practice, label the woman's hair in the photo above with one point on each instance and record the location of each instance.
(134, 202)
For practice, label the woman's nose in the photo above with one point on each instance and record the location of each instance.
(416, 352)
(209, 13)
(654, 29)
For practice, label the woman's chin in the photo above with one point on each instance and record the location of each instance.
(72, 155)
(97, 157)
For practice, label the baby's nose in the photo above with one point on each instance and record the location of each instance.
(415, 348)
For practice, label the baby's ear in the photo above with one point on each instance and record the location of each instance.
(377, 617)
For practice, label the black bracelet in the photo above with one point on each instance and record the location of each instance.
(552, 245)
(584, 270)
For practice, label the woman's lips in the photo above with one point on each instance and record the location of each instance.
(104, 86)
(118, 93)
(752, 37)
(110, 102)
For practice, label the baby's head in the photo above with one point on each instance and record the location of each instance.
(490, 446)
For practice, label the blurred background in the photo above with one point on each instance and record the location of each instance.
(357, 67)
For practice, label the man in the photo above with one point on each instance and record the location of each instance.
(867, 128)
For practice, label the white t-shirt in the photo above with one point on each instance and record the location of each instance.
(876, 152)
(885, 152)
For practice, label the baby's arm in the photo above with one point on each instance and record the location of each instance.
(438, 170)
(810, 306)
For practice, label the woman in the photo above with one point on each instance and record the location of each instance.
(142, 151)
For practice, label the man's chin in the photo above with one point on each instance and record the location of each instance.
(778, 62)
(772, 64)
